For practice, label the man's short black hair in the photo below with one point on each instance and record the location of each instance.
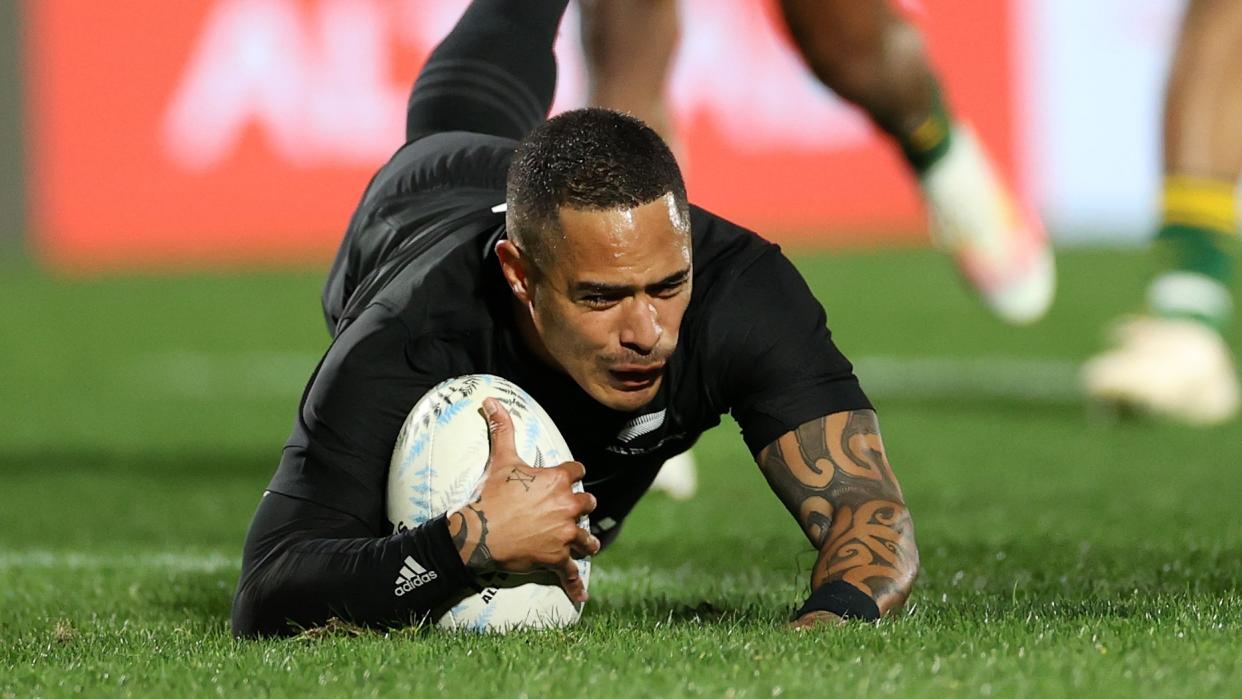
(585, 159)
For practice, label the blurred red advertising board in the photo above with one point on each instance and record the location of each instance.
(206, 132)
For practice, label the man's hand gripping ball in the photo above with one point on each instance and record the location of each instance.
(524, 519)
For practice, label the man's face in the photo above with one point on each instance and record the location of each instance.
(608, 303)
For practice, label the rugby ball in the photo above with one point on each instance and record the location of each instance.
(436, 466)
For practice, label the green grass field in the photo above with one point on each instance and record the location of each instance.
(1065, 553)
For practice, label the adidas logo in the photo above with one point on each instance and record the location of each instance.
(413, 575)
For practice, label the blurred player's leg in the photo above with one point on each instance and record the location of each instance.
(628, 48)
(868, 54)
(1203, 159)
(1174, 362)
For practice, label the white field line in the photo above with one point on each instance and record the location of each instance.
(80, 560)
(193, 374)
(1022, 379)
(261, 375)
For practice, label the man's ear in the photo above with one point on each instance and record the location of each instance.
(516, 268)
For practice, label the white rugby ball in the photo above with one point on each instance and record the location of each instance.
(437, 464)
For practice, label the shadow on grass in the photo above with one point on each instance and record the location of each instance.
(668, 611)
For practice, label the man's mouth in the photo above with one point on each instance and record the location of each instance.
(635, 378)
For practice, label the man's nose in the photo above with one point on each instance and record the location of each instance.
(641, 330)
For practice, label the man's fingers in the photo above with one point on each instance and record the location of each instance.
(584, 544)
(811, 620)
(499, 429)
(575, 470)
(586, 503)
(571, 580)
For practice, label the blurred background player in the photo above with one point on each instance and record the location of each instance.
(1172, 361)
(868, 54)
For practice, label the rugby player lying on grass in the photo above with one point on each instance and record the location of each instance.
(634, 319)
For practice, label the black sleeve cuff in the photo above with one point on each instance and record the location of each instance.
(765, 423)
(842, 599)
(439, 547)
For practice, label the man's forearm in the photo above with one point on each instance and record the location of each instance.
(305, 564)
(870, 546)
(832, 475)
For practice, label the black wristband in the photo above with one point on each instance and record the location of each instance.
(842, 599)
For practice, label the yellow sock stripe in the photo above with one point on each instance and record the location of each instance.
(929, 134)
(1202, 203)
(1219, 226)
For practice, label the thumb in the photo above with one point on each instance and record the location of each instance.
(499, 429)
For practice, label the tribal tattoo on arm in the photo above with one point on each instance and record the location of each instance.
(832, 475)
(468, 529)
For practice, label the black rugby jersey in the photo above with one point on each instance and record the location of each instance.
(416, 296)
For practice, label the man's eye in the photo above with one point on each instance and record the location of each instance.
(670, 290)
(598, 301)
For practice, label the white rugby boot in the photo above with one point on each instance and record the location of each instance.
(678, 477)
(999, 245)
(1173, 368)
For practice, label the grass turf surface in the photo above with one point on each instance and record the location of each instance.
(1063, 552)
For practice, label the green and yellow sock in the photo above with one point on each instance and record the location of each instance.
(930, 140)
(1199, 219)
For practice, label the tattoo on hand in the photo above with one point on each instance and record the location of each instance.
(516, 476)
(832, 474)
(468, 529)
